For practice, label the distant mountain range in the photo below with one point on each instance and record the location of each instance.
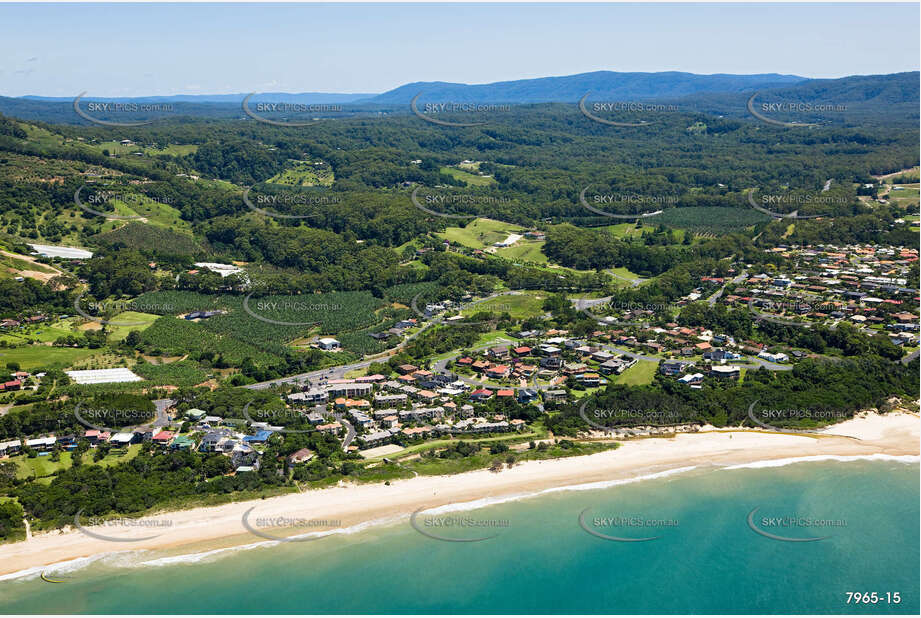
(718, 94)
(601, 85)
(269, 97)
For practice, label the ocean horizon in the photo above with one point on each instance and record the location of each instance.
(791, 536)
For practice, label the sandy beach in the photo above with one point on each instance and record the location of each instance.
(201, 529)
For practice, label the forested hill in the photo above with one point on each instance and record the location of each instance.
(601, 84)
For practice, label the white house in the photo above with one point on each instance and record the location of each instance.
(328, 343)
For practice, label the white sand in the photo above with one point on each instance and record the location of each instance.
(221, 526)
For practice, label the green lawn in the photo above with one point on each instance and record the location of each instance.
(44, 466)
(641, 373)
(480, 233)
(45, 357)
(304, 174)
(495, 337)
(117, 333)
(471, 179)
(525, 251)
(176, 150)
(39, 332)
(519, 306)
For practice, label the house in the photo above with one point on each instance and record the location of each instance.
(244, 456)
(314, 418)
(691, 378)
(551, 362)
(405, 369)
(42, 444)
(498, 371)
(259, 437)
(589, 379)
(499, 352)
(162, 437)
(777, 357)
(376, 438)
(349, 390)
(333, 428)
(10, 447)
(555, 395)
(300, 456)
(727, 371)
(195, 414)
(481, 394)
(211, 440)
(522, 350)
(527, 395)
(182, 443)
(315, 395)
(505, 392)
(672, 367)
(328, 344)
(122, 439)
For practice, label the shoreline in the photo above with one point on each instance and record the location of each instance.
(350, 508)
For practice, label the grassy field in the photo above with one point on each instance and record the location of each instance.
(45, 357)
(44, 466)
(175, 150)
(641, 373)
(471, 179)
(480, 233)
(41, 333)
(117, 333)
(525, 251)
(519, 306)
(304, 174)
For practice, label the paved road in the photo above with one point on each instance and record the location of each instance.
(162, 405)
(337, 373)
(910, 357)
(716, 295)
(350, 432)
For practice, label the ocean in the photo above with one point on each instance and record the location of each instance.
(797, 536)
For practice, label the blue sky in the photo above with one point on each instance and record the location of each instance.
(127, 50)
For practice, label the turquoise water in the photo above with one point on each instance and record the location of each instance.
(707, 560)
